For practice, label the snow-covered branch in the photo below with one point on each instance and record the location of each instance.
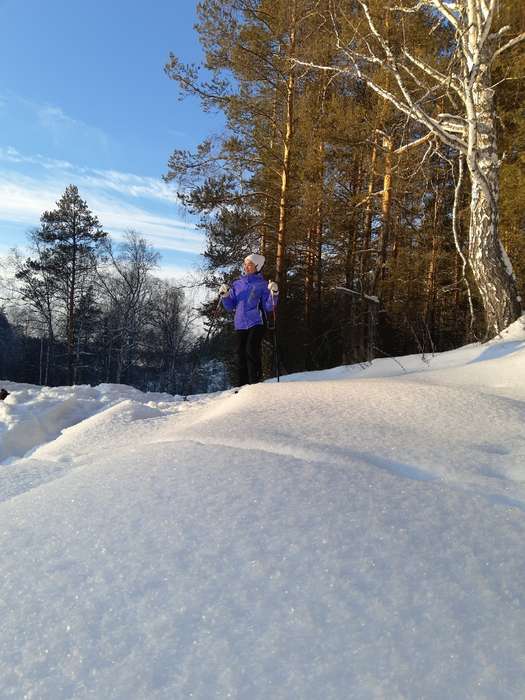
(443, 80)
(410, 105)
(411, 10)
(453, 123)
(413, 144)
(509, 45)
(447, 10)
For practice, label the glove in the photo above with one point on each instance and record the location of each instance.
(224, 290)
(273, 287)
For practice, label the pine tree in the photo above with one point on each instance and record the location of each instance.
(337, 186)
(69, 239)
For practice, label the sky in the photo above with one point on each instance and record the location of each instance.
(84, 100)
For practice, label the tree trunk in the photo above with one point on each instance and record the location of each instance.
(283, 193)
(319, 256)
(309, 277)
(367, 223)
(48, 360)
(430, 284)
(313, 278)
(71, 312)
(50, 346)
(386, 202)
(489, 262)
(435, 255)
(490, 265)
(71, 329)
(41, 361)
(264, 245)
(280, 266)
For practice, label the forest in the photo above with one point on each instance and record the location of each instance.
(373, 152)
(85, 310)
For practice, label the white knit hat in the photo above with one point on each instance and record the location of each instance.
(256, 259)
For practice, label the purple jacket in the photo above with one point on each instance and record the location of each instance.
(248, 295)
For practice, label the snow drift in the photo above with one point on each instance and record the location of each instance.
(355, 533)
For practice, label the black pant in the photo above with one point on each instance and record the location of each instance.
(249, 354)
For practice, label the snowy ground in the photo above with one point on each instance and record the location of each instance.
(351, 534)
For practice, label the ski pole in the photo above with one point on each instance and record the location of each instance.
(275, 346)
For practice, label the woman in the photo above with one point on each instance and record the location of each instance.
(251, 298)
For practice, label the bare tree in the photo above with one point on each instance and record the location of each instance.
(170, 322)
(416, 85)
(127, 290)
(36, 287)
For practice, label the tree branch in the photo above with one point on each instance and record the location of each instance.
(413, 144)
(455, 232)
(434, 73)
(446, 12)
(509, 45)
(410, 107)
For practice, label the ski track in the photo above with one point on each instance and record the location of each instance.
(352, 458)
(319, 456)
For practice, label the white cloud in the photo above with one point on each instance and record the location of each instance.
(54, 122)
(55, 115)
(161, 231)
(24, 198)
(60, 125)
(129, 184)
(11, 155)
(31, 183)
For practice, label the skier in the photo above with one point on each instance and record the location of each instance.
(251, 298)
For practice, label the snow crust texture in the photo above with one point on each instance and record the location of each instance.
(357, 533)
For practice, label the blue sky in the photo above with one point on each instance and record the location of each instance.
(84, 100)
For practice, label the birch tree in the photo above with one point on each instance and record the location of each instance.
(415, 84)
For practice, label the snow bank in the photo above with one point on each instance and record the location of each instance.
(33, 415)
(350, 535)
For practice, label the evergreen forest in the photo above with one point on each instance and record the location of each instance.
(362, 199)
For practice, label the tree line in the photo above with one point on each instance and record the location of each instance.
(83, 309)
(373, 152)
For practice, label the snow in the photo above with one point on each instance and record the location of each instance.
(354, 533)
